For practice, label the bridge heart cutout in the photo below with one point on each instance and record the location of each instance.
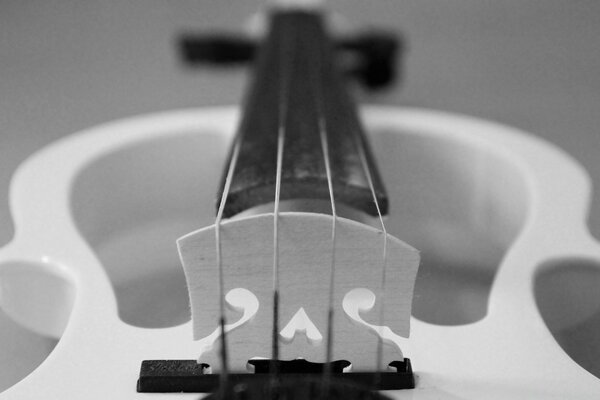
(301, 323)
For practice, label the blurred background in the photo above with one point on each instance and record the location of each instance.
(66, 65)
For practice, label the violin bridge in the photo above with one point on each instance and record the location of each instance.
(362, 323)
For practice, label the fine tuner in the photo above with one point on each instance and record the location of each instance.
(300, 277)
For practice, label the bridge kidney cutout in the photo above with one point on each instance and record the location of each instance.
(361, 300)
(355, 302)
(239, 300)
(305, 257)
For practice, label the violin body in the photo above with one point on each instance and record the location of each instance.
(494, 211)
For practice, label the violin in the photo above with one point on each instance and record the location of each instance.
(336, 232)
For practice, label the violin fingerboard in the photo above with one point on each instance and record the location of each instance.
(298, 96)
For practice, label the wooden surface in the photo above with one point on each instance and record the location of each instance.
(305, 257)
(297, 98)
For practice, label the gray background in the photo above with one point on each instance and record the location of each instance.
(66, 65)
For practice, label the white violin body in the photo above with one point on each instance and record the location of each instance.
(97, 215)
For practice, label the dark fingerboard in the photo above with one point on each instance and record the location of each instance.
(297, 88)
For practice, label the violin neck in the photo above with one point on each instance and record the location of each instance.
(299, 119)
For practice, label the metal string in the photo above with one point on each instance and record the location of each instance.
(275, 331)
(322, 127)
(381, 296)
(222, 322)
(323, 135)
(330, 306)
(286, 67)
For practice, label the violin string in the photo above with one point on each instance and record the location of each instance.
(286, 64)
(330, 306)
(323, 135)
(219, 251)
(382, 289)
(275, 330)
